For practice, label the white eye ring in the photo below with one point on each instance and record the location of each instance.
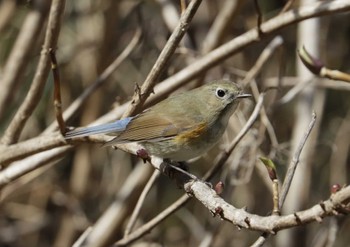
(220, 93)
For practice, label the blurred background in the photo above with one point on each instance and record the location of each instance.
(54, 204)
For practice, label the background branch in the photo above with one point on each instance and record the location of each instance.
(35, 92)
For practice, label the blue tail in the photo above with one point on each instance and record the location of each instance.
(109, 128)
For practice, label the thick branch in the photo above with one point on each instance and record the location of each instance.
(338, 203)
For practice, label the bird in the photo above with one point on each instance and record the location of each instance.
(179, 128)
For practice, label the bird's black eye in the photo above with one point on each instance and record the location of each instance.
(220, 93)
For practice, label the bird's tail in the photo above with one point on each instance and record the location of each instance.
(109, 128)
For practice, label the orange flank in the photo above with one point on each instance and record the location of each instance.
(191, 134)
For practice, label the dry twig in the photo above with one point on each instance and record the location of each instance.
(34, 95)
(163, 59)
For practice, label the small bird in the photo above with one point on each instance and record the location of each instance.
(179, 128)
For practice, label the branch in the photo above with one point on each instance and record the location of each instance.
(253, 72)
(140, 201)
(317, 67)
(112, 219)
(57, 100)
(33, 97)
(259, 18)
(295, 161)
(288, 178)
(290, 81)
(76, 105)
(338, 203)
(29, 147)
(287, 6)
(20, 168)
(221, 24)
(163, 59)
(21, 50)
(232, 47)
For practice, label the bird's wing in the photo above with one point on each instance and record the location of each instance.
(152, 126)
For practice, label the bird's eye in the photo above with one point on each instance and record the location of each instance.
(220, 93)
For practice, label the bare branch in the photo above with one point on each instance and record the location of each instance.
(20, 168)
(103, 230)
(140, 201)
(253, 72)
(220, 25)
(237, 44)
(287, 6)
(34, 95)
(164, 57)
(259, 18)
(317, 67)
(76, 105)
(57, 101)
(20, 53)
(23, 149)
(335, 205)
(295, 161)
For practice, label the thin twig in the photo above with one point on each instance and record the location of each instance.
(222, 158)
(183, 5)
(80, 241)
(264, 118)
(253, 72)
(317, 67)
(220, 26)
(33, 96)
(262, 59)
(259, 18)
(294, 163)
(292, 93)
(19, 57)
(113, 217)
(140, 201)
(276, 196)
(287, 6)
(57, 101)
(271, 169)
(154, 222)
(163, 59)
(261, 240)
(76, 105)
(291, 81)
(288, 179)
(219, 29)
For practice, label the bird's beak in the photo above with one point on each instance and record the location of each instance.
(244, 95)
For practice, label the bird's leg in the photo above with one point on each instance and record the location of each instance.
(143, 154)
(177, 171)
